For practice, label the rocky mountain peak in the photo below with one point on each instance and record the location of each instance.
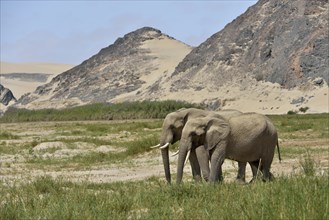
(127, 66)
(280, 41)
(140, 35)
(126, 44)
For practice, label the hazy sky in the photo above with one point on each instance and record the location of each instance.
(72, 31)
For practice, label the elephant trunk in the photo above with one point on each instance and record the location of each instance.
(181, 162)
(165, 160)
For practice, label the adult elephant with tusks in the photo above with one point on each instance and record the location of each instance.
(246, 138)
(172, 131)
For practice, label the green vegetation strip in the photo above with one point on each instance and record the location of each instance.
(285, 198)
(97, 111)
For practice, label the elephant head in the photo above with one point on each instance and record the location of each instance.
(208, 131)
(172, 131)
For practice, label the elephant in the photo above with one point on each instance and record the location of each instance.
(172, 130)
(249, 137)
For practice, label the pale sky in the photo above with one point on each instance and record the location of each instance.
(72, 31)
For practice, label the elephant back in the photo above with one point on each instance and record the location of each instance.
(249, 133)
(229, 113)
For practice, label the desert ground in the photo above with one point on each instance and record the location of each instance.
(96, 151)
(21, 87)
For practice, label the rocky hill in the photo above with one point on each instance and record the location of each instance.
(272, 58)
(280, 41)
(22, 78)
(121, 71)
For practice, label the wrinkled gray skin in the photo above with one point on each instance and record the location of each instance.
(246, 138)
(172, 130)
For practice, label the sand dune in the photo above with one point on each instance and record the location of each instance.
(20, 87)
(49, 68)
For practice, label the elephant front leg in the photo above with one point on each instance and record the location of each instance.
(195, 166)
(203, 159)
(217, 159)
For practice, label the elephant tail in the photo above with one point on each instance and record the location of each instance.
(277, 144)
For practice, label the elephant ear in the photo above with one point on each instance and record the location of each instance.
(199, 131)
(179, 123)
(217, 131)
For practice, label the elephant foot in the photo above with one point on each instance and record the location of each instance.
(240, 181)
(269, 178)
(197, 178)
(255, 179)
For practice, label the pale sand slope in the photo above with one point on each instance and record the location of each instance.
(20, 87)
(49, 68)
(169, 54)
(261, 97)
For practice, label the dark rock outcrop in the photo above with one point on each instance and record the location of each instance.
(280, 41)
(6, 96)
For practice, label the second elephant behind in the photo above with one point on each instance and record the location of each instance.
(249, 137)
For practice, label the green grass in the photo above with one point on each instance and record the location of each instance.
(303, 196)
(291, 152)
(4, 135)
(286, 198)
(97, 111)
(291, 123)
(6, 148)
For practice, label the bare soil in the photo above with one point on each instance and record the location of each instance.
(140, 167)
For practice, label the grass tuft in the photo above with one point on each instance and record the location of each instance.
(308, 164)
(5, 135)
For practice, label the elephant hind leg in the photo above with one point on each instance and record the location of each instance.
(256, 166)
(241, 177)
(267, 175)
(263, 167)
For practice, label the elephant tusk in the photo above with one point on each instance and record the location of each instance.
(174, 154)
(156, 146)
(164, 146)
(187, 157)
